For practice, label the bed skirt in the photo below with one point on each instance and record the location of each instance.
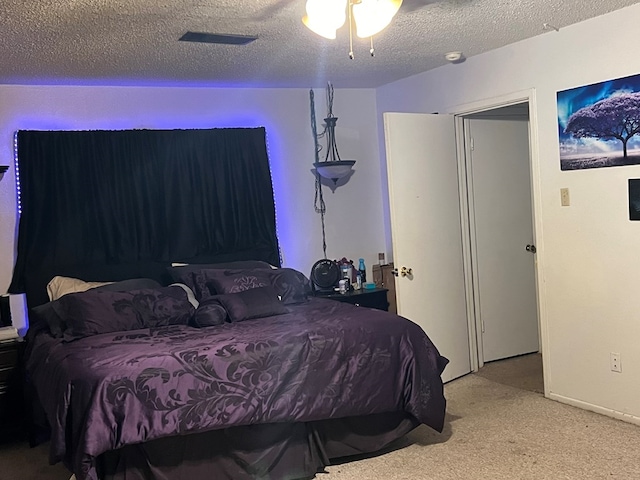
(289, 451)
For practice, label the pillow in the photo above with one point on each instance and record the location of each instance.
(178, 271)
(129, 284)
(253, 303)
(291, 285)
(94, 312)
(46, 314)
(234, 281)
(190, 296)
(209, 313)
(59, 286)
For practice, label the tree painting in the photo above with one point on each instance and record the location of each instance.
(599, 124)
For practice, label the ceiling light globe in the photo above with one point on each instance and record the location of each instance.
(373, 16)
(324, 17)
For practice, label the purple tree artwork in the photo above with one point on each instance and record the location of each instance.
(599, 124)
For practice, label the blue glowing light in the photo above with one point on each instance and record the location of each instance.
(16, 168)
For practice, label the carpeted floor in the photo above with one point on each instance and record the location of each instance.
(497, 432)
(493, 431)
(524, 372)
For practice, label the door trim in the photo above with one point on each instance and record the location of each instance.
(459, 112)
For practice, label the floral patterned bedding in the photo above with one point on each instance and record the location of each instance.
(323, 359)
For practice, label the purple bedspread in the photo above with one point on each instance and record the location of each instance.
(324, 359)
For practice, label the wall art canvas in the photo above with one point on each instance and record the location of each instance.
(599, 124)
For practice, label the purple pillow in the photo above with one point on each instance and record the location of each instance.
(46, 314)
(252, 303)
(190, 274)
(236, 280)
(291, 285)
(209, 313)
(130, 284)
(94, 312)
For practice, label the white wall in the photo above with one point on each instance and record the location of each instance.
(354, 211)
(588, 252)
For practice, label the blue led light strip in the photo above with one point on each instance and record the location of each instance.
(275, 204)
(16, 167)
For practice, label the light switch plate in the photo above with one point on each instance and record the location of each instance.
(565, 201)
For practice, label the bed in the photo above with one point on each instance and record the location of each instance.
(222, 367)
(257, 379)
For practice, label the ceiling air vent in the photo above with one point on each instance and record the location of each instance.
(217, 38)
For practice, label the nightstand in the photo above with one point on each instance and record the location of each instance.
(372, 298)
(11, 398)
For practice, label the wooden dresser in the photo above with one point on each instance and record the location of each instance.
(383, 278)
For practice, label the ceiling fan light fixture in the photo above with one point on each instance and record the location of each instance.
(369, 17)
(373, 16)
(325, 17)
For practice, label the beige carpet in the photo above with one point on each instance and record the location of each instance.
(493, 431)
(523, 372)
(497, 432)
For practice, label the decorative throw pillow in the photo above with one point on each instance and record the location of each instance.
(292, 286)
(94, 312)
(234, 281)
(252, 303)
(183, 272)
(209, 313)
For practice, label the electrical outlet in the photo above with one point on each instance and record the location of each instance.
(616, 364)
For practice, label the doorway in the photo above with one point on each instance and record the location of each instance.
(499, 203)
(497, 169)
(431, 225)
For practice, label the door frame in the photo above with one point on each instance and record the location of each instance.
(460, 112)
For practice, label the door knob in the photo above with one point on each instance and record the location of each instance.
(404, 271)
(531, 248)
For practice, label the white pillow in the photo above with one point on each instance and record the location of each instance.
(59, 286)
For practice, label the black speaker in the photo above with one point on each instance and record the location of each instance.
(325, 275)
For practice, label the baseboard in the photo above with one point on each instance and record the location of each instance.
(625, 417)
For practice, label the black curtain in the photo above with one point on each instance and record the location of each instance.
(93, 201)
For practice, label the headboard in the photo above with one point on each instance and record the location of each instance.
(111, 205)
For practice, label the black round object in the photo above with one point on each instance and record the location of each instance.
(325, 274)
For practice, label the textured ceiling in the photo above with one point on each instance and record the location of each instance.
(135, 42)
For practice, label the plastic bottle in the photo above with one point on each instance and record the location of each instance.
(362, 270)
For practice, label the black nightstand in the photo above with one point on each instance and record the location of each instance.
(11, 397)
(372, 298)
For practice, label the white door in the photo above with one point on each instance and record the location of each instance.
(498, 168)
(426, 231)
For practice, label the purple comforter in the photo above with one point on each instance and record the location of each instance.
(324, 359)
